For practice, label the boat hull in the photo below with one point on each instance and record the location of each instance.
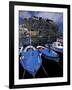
(56, 59)
(31, 61)
(57, 50)
(49, 54)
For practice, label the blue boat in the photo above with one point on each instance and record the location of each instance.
(30, 60)
(48, 53)
(59, 50)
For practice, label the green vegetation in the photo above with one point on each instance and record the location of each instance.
(47, 29)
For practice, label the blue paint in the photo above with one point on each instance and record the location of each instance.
(31, 61)
(49, 53)
(60, 49)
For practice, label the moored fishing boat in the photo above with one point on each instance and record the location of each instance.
(48, 53)
(57, 46)
(30, 60)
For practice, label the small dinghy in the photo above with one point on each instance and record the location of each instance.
(30, 60)
(48, 53)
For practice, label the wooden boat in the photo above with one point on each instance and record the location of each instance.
(30, 60)
(48, 53)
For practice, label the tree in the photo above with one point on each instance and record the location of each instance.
(47, 29)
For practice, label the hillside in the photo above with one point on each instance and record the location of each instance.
(40, 30)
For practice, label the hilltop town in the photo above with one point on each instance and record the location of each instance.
(40, 30)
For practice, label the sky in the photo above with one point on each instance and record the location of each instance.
(55, 16)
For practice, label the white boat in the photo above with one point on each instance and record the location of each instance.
(57, 46)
